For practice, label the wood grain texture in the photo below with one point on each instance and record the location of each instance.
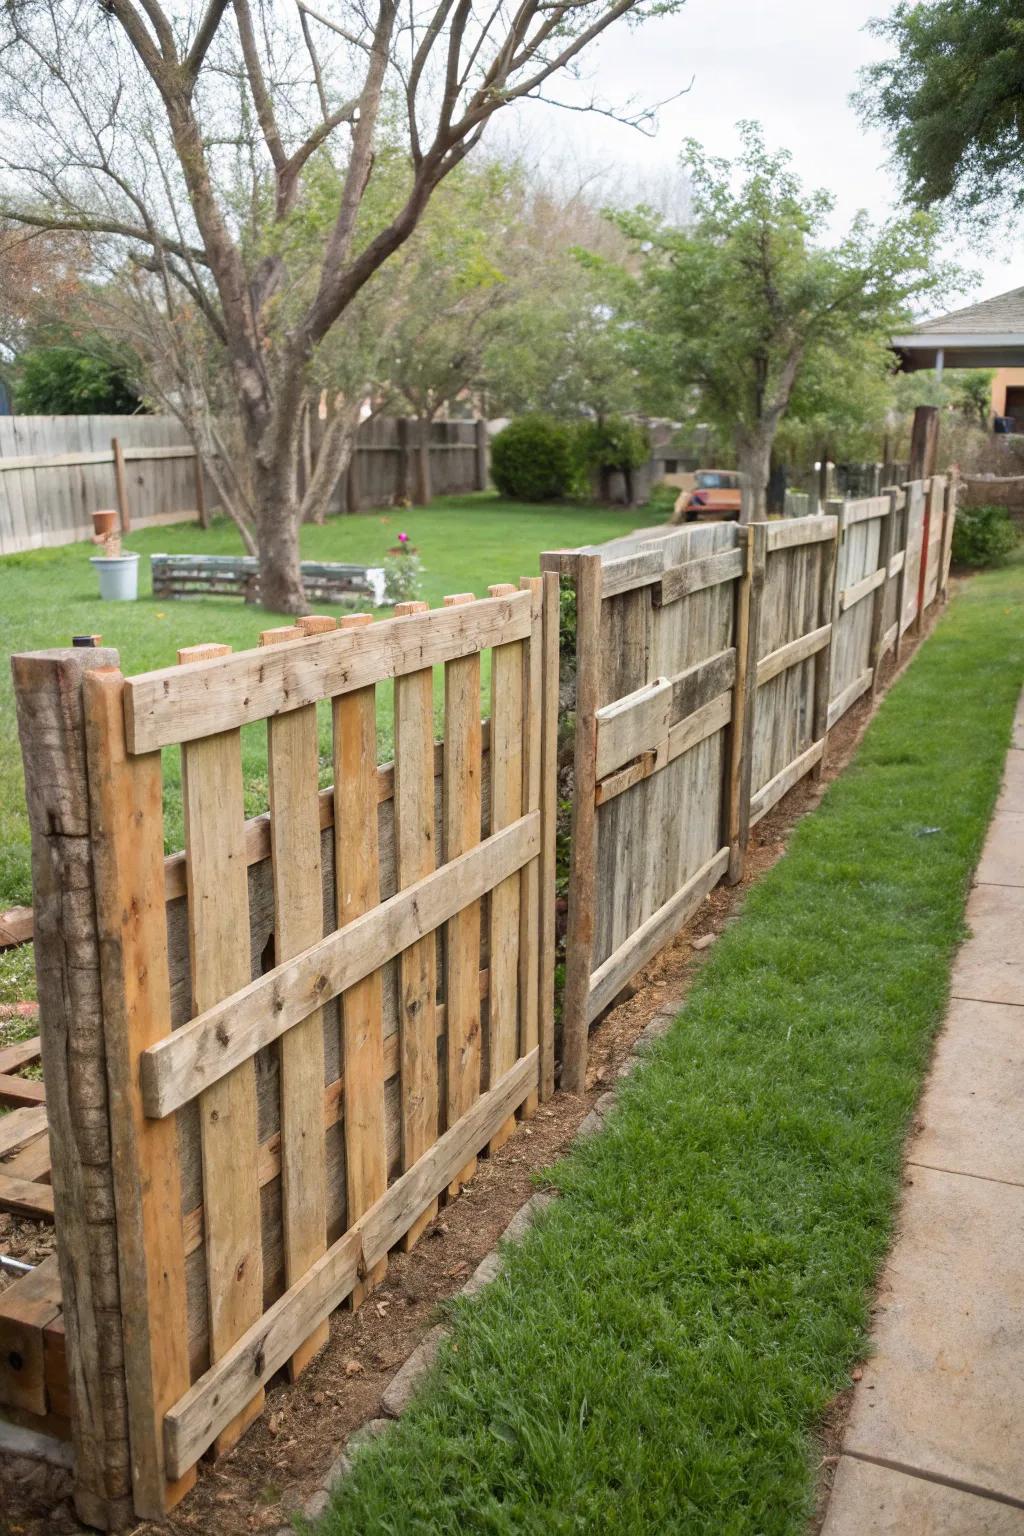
(506, 765)
(218, 916)
(293, 765)
(416, 856)
(184, 704)
(462, 816)
(357, 887)
(126, 796)
(549, 834)
(530, 875)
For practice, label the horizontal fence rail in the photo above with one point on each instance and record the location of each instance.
(711, 663)
(311, 1023)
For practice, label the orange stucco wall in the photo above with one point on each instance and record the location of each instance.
(1004, 377)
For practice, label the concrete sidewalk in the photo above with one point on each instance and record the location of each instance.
(935, 1441)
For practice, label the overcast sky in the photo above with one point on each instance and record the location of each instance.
(791, 64)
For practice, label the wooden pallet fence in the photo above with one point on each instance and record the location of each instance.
(313, 1023)
(711, 663)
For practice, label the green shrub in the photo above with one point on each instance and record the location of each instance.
(402, 579)
(532, 459)
(612, 444)
(983, 536)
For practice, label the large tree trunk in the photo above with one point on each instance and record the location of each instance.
(424, 487)
(281, 588)
(754, 457)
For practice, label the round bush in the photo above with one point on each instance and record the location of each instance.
(983, 536)
(532, 460)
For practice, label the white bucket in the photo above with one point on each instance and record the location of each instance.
(119, 577)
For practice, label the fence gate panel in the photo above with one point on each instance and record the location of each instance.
(316, 1020)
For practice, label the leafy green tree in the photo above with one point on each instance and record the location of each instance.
(72, 381)
(747, 305)
(952, 100)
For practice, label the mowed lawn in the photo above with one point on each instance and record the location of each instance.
(465, 544)
(660, 1351)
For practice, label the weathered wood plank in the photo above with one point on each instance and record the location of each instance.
(357, 891)
(852, 595)
(790, 655)
(23, 1198)
(416, 860)
(747, 630)
(218, 919)
(506, 770)
(15, 1091)
(25, 1309)
(866, 509)
(774, 790)
(184, 704)
(549, 834)
(632, 725)
(293, 765)
(701, 683)
(529, 878)
(799, 530)
(127, 832)
(695, 575)
(462, 811)
(842, 701)
(630, 571)
(198, 1417)
(22, 1053)
(20, 1126)
(645, 942)
(231, 1031)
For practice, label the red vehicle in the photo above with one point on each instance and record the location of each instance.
(716, 493)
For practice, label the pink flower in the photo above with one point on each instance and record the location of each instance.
(403, 538)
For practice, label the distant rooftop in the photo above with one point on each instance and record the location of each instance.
(985, 335)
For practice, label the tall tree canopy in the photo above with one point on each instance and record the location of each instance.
(185, 138)
(952, 100)
(750, 308)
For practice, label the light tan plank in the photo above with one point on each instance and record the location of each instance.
(794, 652)
(549, 834)
(774, 790)
(632, 725)
(218, 919)
(463, 793)
(530, 875)
(184, 704)
(680, 581)
(506, 767)
(293, 764)
(799, 530)
(126, 796)
(357, 885)
(416, 859)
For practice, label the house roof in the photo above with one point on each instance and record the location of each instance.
(985, 335)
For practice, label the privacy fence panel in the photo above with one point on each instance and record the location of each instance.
(710, 664)
(55, 471)
(311, 1023)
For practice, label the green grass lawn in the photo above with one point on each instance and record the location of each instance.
(660, 1350)
(465, 544)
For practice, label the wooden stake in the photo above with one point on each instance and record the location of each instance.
(119, 481)
(741, 735)
(549, 833)
(886, 534)
(828, 613)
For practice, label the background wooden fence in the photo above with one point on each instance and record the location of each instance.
(55, 471)
(375, 960)
(711, 662)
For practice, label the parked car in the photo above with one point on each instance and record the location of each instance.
(715, 493)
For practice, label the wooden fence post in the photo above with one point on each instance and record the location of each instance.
(583, 858)
(744, 695)
(886, 529)
(901, 579)
(921, 575)
(949, 518)
(480, 428)
(828, 613)
(119, 481)
(48, 695)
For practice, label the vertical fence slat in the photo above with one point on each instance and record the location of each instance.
(949, 519)
(549, 833)
(463, 767)
(128, 848)
(828, 613)
(416, 856)
(218, 921)
(529, 879)
(357, 888)
(741, 736)
(886, 537)
(293, 763)
(506, 773)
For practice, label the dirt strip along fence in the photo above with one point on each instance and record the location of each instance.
(710, 664)
(269, 1057)
(55, 471)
